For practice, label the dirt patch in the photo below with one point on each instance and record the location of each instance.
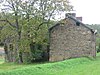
(1, 50)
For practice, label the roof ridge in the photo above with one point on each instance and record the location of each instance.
(73, 18)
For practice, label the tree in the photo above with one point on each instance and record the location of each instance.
(26, 24)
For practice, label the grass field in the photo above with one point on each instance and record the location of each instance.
(77, 66)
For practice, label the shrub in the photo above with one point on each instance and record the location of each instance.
(98, 49)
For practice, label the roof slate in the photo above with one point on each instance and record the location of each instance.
(77, 21)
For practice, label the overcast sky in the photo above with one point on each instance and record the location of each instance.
(88, 9)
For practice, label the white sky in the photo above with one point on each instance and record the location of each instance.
(88, 9)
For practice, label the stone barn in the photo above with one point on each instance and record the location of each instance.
(71, 38)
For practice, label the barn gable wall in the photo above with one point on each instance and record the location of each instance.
(69, 40)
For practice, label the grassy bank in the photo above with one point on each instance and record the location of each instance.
(77, 66)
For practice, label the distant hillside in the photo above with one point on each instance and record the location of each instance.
(95, 27)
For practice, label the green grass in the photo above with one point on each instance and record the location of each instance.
(1, 60)
(77, 66)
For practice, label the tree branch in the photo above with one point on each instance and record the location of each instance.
(8, 23)
(41, 25)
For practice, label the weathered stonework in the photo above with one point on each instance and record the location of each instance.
(69, 40)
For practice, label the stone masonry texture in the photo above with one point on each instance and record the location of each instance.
(70, 40)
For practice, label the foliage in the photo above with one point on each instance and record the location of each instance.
(98, 49)
(95, 26)
(23, 22)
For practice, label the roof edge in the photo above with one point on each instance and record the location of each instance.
(73, 18)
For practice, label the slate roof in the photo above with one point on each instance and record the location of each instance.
(77, 21)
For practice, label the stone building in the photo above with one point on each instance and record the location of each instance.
(71, 38)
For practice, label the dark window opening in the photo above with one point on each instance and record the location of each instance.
(77, 23)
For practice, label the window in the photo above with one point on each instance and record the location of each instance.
(77, 23)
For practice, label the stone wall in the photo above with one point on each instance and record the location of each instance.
(69, 41)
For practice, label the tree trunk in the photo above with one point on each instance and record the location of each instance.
(6, 53)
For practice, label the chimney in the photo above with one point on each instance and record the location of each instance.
(72, 14)
(79, 18)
